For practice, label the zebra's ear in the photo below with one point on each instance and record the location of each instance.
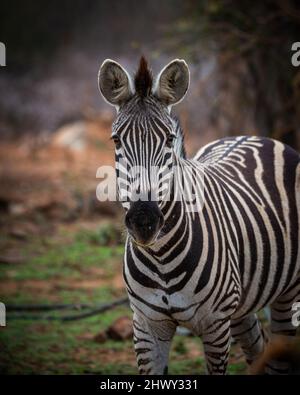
(172, 82)
(114, 83)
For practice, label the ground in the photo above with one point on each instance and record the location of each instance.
(69, 267)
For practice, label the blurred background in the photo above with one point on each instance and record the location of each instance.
(58, 244)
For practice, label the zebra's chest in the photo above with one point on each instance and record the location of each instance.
(191, 301)
(157, 300)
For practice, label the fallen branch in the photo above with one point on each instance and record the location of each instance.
(73, 317)
(47, 307)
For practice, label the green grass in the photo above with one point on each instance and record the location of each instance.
(30, 346)
(43, 347)
(53, 347)
(237, 368)
(195, 366)
(47, 258)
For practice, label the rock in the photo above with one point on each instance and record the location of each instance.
(17, 209)
(121, 329)
(18, 233)
(72, 136)
(101, 337)
(23, 230)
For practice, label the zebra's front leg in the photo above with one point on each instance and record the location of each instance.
(152, 342)
(216, 344)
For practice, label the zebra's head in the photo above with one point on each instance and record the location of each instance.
(147, 138)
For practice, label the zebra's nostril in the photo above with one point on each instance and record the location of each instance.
(144, 220)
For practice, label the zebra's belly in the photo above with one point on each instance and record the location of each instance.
(181, 307)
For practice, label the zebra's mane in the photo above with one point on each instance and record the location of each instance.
(143, 82)
(143, 79)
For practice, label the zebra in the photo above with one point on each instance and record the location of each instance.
(211, 269)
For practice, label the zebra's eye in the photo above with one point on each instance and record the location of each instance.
(116, 140)
(170, 140)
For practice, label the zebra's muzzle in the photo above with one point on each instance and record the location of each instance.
(144, 220)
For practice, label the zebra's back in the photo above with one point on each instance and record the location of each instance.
(258, 180)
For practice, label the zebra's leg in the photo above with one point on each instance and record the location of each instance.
(282, 325)
(248, 332)
(216, 344)
(152, 342)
